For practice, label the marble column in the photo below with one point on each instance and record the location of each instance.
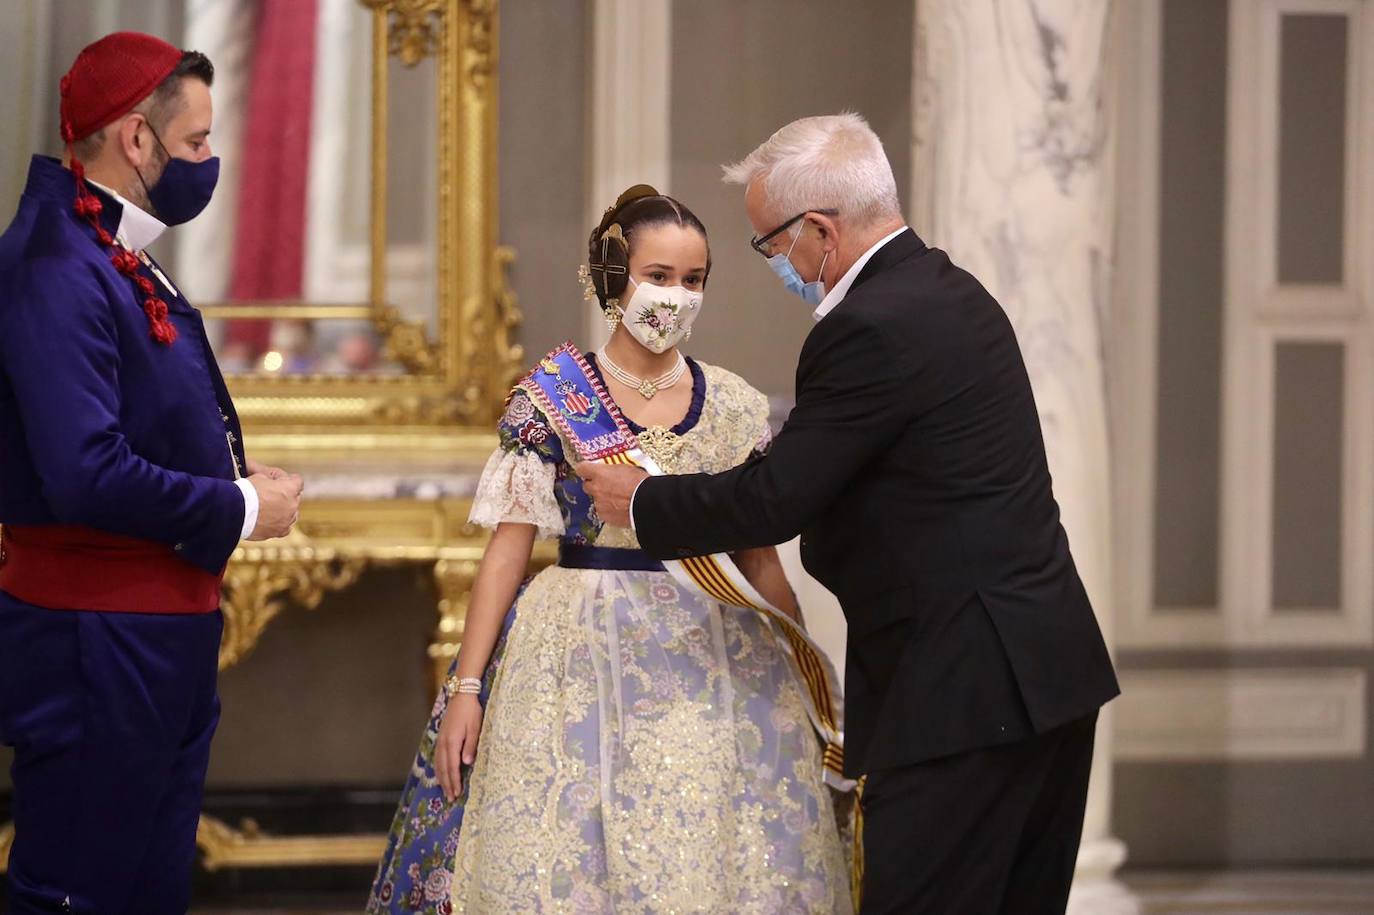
(630, 109)
(1013, 177)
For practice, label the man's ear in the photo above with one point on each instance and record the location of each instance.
(129, 136)
(825, 229)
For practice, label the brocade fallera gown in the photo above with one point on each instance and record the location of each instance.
(645, 749)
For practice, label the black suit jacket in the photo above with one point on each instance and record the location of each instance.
(914, 469)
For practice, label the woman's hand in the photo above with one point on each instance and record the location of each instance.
(493, 590)
(456, 745)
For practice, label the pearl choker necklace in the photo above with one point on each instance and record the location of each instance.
(647, 387)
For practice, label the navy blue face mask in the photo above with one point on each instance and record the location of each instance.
(185, 188)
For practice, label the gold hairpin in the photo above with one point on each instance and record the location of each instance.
(614, 231)
(605, 267)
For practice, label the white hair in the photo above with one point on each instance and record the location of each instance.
(833, 161)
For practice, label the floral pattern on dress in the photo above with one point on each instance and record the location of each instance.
(415, 875)
(645, 749)
(724, 429)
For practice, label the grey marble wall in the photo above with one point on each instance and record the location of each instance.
(1242, 812)
(740, 71)
(1248, 813)
(543, 167)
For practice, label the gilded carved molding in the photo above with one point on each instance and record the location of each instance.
(257, 589)
(413, 27)
(509, 356)
(453, 578)
(222, 845)
(406, 341)
(481, 41)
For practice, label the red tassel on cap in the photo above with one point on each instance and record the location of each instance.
(107, 80)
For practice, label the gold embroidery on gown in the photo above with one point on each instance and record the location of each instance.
(662, 444)
(646, 750)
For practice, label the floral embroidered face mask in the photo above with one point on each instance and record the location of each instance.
(660, 317)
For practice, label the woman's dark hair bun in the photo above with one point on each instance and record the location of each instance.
(608, 248)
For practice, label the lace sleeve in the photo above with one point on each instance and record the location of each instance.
(517, 486)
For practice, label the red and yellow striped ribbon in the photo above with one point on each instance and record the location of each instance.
(708, 574)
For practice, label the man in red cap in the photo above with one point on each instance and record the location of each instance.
(123, 490)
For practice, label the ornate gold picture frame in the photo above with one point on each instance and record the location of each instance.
(455, 373)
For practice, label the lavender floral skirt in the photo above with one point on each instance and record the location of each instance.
(644, 750)
(416, 869)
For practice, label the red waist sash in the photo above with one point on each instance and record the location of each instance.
(68, 567)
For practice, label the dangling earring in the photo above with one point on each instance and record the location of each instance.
(584, 277)
(612, 314)
(688, 335)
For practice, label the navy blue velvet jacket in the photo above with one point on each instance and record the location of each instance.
(100, 425)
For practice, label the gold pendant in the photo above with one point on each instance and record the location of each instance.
(661, 444)
(647, 390)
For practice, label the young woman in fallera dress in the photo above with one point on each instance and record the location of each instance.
(645, 749)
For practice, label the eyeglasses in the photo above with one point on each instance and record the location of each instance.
(758, 242)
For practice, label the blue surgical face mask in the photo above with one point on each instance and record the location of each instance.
(184, 189)
(781, 264)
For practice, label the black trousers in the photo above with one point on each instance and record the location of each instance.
(994, 830)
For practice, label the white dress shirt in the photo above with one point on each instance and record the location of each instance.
(836, 296)
(137, 230)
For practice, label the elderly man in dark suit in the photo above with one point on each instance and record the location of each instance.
(914, 470)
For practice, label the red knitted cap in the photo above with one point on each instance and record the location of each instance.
(107, 80)
(110, 77)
